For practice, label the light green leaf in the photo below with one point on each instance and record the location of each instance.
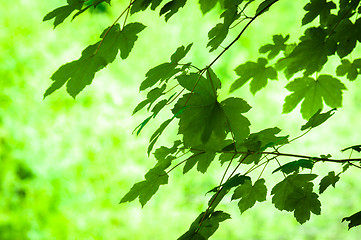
(249, 194)
(313, 93)
(258, 72)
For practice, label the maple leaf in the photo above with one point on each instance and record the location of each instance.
(317, 8)
(317, 119)
(258, 72)
(294, 166)
(313, 92)
(81, 72)
(330, 179)
(309, 55)
(351, 70)
(207, 5)
(249, 194)
(61, 13)
(354, 220)
(346, 35)
(295, 194)
(274, 49)
(172, 7)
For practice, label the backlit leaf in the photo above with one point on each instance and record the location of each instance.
(278, 46)
(295, 166)
(351, 70)
(258, 72)
(172, 7)
(313, 93)
(317, 8)
(249, 194)
(354, 220)
(317, 119)
(330, 179)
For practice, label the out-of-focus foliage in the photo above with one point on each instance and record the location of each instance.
(63, 164)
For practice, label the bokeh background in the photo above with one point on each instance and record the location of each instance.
(65, 164)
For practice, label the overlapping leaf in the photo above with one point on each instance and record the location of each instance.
(209, 225)
(165, 71)
(141, 5)
(313, 93)
(295, 193)
(249, 194)
(309, 55)
(79, 73)
(258, 72)
(205, 122)
(61, 13)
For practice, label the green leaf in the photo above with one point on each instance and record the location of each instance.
(346, 35)
(317, 8)
(209, 225)
(172, 7)
(157, 133)
(258, 72)
(165, 71)
(351, 69)
(203, 159)
(295, 194)
(355, 147)
(141, 5)
(61, 13)
(317, 119)
(295, 166)
(207, 5)
(313, 93)
(163, 152)
(264, 6)
(249, 194)
(309, 55)
(238, 124)
(81, 72)
(217, 35)
(330, 179)
(354, 220)
(278, 46)
(234, 181)
(144, 190)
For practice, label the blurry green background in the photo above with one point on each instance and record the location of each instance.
(65, 164)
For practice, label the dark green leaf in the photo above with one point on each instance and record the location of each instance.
(317, 119)
(312, 93)
(157, 133)
(209, 225)
(217, 35)
(355, 147)
(264, 6)
(163, 152)
(317, 8)
(274, 49)
(258, 72)
(295, 166)
(354, 220)
(351, 69)
(61, 13)
(330, 179)
(234, 181)
(249, 194)
(203, 159)
(172, 7)
(295, 193)
(309, 55)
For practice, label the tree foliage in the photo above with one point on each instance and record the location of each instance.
(210, 128)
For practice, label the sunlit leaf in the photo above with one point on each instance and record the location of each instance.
(258, 72)
(249, 194)
(312, 93)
